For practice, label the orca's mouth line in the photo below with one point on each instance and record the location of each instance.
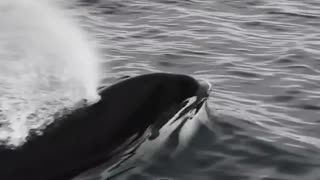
(196, 101)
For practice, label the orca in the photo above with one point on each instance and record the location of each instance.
(90, 136)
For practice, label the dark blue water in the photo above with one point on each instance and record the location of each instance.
(262, 58)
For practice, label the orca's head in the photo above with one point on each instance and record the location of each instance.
(177, 95)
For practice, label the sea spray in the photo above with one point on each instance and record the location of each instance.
(47, 63)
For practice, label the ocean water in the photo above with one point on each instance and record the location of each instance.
(261, 57)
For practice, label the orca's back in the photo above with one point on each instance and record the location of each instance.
(88, 136)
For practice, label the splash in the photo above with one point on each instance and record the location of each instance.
(47, 63)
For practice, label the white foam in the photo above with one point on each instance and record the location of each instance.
(46, 63)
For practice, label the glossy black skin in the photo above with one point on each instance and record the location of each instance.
(86, 138)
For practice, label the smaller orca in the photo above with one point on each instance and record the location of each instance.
(89, 136)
